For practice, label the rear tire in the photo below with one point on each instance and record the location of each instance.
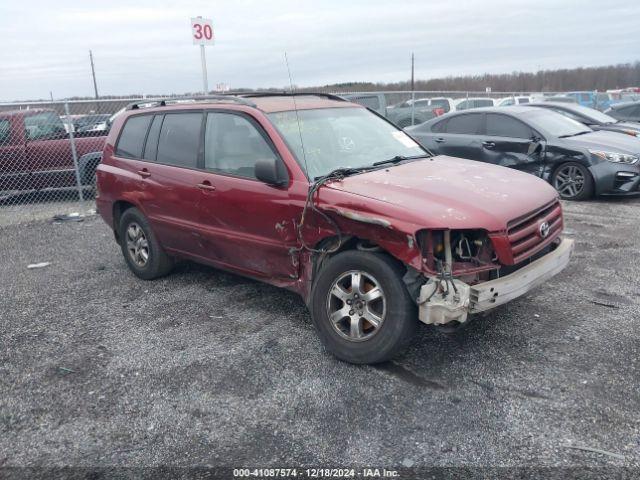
(573, 181)
(140, 247)
(348, 330)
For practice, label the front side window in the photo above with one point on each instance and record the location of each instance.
(233, 145)
(132, 136)
(341, 137)
(42, 126)
(465, 124)
(504, 126)
(180, 139)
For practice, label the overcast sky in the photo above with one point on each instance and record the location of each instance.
(145, 46)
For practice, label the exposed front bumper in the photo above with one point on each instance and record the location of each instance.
(438, 308)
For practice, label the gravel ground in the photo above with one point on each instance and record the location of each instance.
(98, 368)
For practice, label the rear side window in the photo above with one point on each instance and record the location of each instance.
(180, 139)
(504, 126)
(151, 147)
(132, 136)
(233, 144)
(5, 132)
(465, 124)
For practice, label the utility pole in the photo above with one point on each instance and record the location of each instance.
(413, 93)
(412, 72)
(95, 84)
(93, 73)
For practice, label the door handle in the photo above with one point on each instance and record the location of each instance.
(439, 140)
(206, 186)
(144, 173)
(488, 144)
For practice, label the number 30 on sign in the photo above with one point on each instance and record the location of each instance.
(202, 31)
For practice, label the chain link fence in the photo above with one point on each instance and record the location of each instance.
(49, 150)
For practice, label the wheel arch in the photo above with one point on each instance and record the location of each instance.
(118, 209)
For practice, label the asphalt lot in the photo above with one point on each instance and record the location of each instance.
(204, 368)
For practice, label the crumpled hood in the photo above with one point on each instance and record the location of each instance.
(442, 192)
(606, 140)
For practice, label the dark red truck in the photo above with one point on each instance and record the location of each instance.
(35, 153)
(325, 198)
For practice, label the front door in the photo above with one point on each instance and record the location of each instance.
(510, 143)
(248, 225)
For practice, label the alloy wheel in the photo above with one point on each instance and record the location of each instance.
(356, 305)
(569, 181)
(137, 244)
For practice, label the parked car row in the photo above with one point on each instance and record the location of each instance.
(580, 151)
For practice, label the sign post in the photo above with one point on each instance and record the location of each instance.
(202, 34)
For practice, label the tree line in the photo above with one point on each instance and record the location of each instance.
(562, 80)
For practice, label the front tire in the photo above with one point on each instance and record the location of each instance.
(140, 247)
(573, 181)
(361, 308)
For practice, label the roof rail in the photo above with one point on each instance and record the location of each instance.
(172, 101)
(330, 96)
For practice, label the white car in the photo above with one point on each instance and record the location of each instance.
(445, 103)
(505, 102)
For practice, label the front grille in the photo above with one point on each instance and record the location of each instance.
(524, 233)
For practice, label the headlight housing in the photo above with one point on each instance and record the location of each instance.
(615, 157)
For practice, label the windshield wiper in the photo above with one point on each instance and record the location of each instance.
(575, 134)
(341, 172)
(400, 158)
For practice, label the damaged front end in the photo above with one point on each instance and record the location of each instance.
(471, 271)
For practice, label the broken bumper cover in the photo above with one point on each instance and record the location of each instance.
(436, 308)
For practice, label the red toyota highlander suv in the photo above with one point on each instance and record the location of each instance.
(321, 196)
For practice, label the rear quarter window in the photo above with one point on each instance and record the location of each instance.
(134, 132)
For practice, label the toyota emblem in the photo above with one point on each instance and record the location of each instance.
(543, 229)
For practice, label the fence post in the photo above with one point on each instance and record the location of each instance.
(74, 154)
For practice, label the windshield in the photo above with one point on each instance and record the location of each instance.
(341, 137)
(555, 124)
(593, 114)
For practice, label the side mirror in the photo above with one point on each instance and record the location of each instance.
(271, 171)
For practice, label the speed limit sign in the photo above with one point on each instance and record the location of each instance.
(202, 31)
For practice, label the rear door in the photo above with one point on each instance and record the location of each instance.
(460, 136)
(509, 142)
(246, 224)
(170, 179)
